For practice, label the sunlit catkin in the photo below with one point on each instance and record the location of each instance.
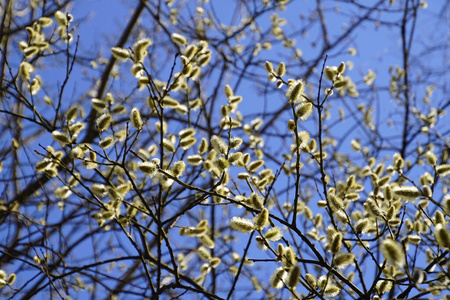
(120, 54)
(135, 117)
(262, 219)
(274, 234)
(311, 280)
(293, 277)
(103, 122)
(242, 225)
(336, 243)
(442, 235)
(207, 241)
(255, 165)
(278, 277)
(179, 39)
(407, 192)
(393, 252)
(443, 170)
(60, 137)
(295, 91)
(343, 260)
(304, 111)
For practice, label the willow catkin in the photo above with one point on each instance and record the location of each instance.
(103, 122)
(207, 241)
(274, 234)
(443, 170)
(407, 192)
(278, 277)
(106, 143)
(135, 117)
(179, 39)
(242, 225)
(336, 243)
(311, 280)
(343, 260)
(61, 137)
(442, 235)
(262, 219)
(295, 91)
(293, 277)
(148, 167)
(393, 252)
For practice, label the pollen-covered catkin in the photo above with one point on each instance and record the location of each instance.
(393, 252)
(135, 117)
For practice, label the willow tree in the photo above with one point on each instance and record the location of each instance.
(224, 149)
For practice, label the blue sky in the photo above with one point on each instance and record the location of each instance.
(99, 24)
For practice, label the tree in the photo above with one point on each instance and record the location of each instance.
(222, 150)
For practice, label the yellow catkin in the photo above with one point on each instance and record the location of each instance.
(293, 277)
(393, 252)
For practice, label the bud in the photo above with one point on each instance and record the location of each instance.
(281, 69)
(187, 143)
(178, 39)
(431, 158)
(407, 192)
(331, 291)
(383, 181)
(178, 168)
(277, 278)
(203, 147)
(169, 102)
(61, 18)
(343, 260)
(262, 219)
(330, 73)
(214, 262)
(304, 111)
(291, 125)
(98, 104)
(207, 241)
(373, 208)
(442, 235)
(194, 160)
(235, 142)
(335, 201)
(135, 117)
(388, 194)
(293, 277)
(295, 91)
(336, 243)
(120, 54)
(242, 225)
(61, 137)
(253, 166)
(103, 122)
(25, 70)
(256, 201)
(107, 142)
(63, 192)
(274, 234)
(149, 168)
(218, 144)
(341, 68)
(185, 133)
(168, 145)
(228, 91)
(393, 252)
(268, 66)
(203, 253)
(223, 164)
(311, 280)
(443, 170)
